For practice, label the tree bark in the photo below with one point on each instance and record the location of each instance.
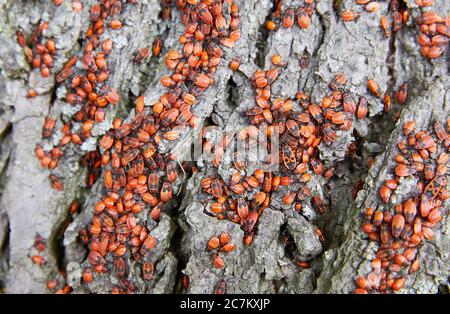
(360, 50)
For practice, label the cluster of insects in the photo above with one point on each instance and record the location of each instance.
(222, 244)
(434, 29)
(144, 53)
(434, 34)
(88, 90)
(301, 14)
(400, 15)
(138, 179)
(39, 51)
(400, 96)
(302, 125)
(401, 228)
(40, 245)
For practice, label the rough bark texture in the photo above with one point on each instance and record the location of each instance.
(29, 206)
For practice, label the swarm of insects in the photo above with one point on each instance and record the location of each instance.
(138, 178)
(434, 29)
(401, 228)
(87, 90)
(302, 15)
(302, 126)
(399, 15)
(435, 34)
(39, 51)
(220, 244)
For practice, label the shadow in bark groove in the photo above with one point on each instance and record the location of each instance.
(4, 257)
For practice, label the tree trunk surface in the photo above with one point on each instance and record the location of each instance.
(29, 206)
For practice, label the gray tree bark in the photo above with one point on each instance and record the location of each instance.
(29, 206)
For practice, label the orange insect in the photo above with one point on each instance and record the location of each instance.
(373, 87)
(157, 46)
(288, 18)
(303, 19)
(402, 93)
(349, 16)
